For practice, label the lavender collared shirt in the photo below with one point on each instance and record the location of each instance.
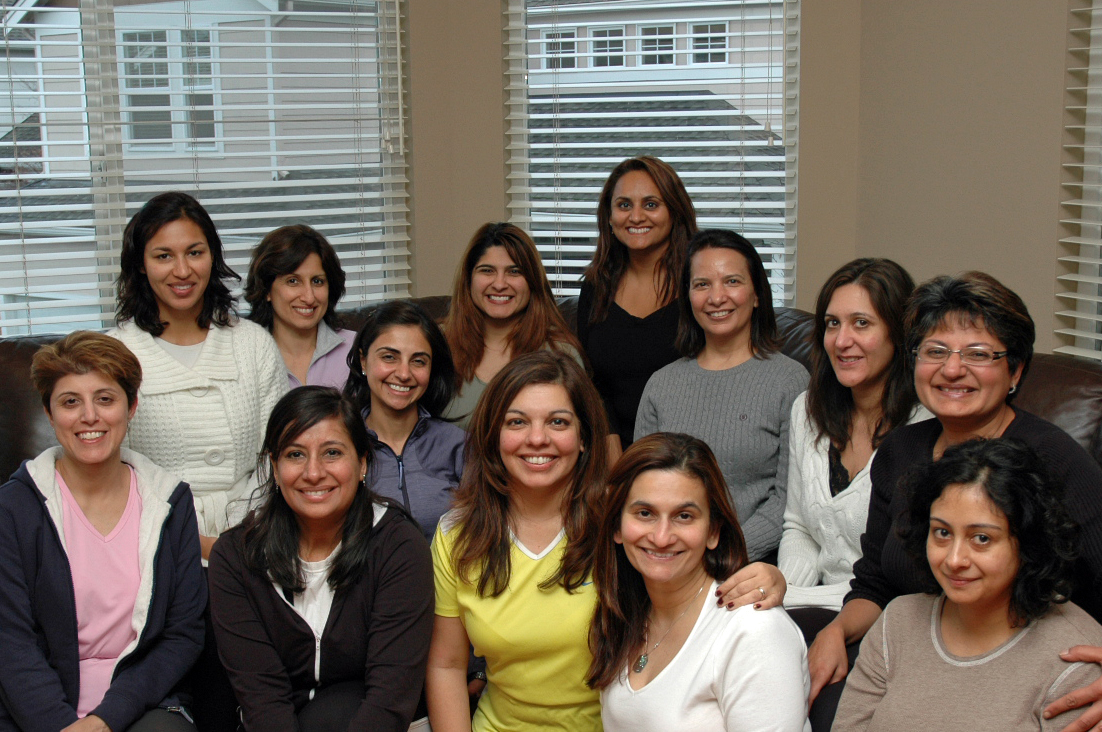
(329, 366)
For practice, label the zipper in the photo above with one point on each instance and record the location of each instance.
(402, 484)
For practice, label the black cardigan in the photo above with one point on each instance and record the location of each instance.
(886, 571)
(378, 632)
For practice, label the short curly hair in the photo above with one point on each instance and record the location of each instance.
(1018, 484)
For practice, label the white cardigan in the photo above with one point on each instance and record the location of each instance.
(821, 537)
(206, 423)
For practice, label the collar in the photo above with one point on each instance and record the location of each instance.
(163, 374)
(423, 418)
(327, 340)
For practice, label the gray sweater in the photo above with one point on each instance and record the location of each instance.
(742, 413)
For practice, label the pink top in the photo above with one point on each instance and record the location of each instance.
(105, 584)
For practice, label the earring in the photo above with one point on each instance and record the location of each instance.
(1013, 388)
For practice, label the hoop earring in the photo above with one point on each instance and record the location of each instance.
(1013, 388)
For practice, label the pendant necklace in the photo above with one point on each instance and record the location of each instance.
(641, 662)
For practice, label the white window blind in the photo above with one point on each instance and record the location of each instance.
(270, 113)
(1081, 279)
(711, 88)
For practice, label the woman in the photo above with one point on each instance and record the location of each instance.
(322, 598)
(512, 560)
(732, 388)
(501, 308)
(627, 312)
(663, 657)
(986, 523)
(295, 282)
(402, 377)
(861, 388)
(972, 340)
(210, 379)
(80, 653)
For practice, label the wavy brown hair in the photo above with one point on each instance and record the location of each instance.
(540, 325)
(619, 623)
(611, 258)
(829, 404)
(483, 543)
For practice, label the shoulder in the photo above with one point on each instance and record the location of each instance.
(674, 371)
(153, 479)
(908, 609)
(449, 522)
(20, 493)
(770, 629)
(134, 337)
(1070, 625)
(229, 549)
(244, 330)
(780, 366)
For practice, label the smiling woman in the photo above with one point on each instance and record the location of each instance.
(81, 653)
(295, 282)
(663, 656)
(732, 388)
(322, 598)
(995, 548)
(502, 308)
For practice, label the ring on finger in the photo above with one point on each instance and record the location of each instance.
(762, 591)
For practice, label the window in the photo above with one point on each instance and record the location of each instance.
(1080, 291)
(607, 46)
(729, 128)
(560, 50)
(710, 43)
(269, 114)
(654, 43)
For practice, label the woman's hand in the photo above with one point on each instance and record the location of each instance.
(206, 543)
(826, 658)
(1091, 694)
(758, 583)
(91, 723)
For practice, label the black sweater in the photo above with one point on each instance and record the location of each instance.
(624, 352)
(377, 633)
(886, 571)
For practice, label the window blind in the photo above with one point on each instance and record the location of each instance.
(711, 88)
(270, 113)
(1081, 259)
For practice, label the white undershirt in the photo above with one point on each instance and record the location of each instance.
(186, 355)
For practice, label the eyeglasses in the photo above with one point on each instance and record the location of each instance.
(971, 356)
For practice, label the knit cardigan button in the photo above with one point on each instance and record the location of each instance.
(198, 391)
(214, 456)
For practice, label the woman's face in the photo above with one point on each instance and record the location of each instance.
(89, 415)
(318, 473)
(722, 294)
(639, 217)
(178, 263)
(540, 441)
(857, 339)
(398, 366)
(299, 300)
(665, 526)
(498, 287)
(970, 548)
(961, 396)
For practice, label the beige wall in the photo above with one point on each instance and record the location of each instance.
(457, 135)
(958, 144)
(930, 132)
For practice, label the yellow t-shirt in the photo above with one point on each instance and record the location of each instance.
(535, 641)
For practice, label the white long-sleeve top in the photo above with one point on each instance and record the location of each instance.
(205, 424)
(821, 537)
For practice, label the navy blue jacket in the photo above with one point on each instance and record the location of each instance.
(39, 656)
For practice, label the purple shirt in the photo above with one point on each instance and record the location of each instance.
(329, 366)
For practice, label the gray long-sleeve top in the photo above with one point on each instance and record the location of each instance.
(743, 414)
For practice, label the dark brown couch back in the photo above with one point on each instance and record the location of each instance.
(1065, 390)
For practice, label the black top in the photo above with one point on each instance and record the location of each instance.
(624, 351)
(886, 571)
(377, 633)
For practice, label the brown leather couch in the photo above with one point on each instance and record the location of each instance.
(1065, 390)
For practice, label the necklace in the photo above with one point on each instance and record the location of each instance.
(641, 662)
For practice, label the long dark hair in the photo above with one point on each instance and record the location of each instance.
(1019, 485)
(611, 258)
(829, 404)
(136, 300)
(441, 386)
(763, 322)
(483, 543)
(272, 530)
(623, 602)
(280, 253)
(540, 325)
